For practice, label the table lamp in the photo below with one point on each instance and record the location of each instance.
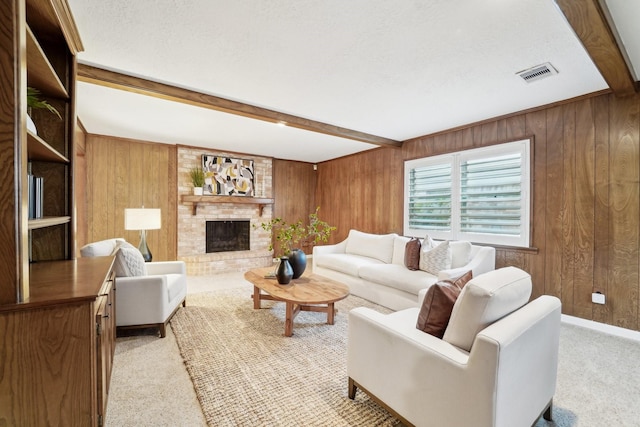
(143, 220)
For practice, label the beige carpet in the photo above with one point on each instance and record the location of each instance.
(598, 374)
(245, 372)
(149, 385)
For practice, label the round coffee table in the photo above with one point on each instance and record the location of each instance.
(310, 292)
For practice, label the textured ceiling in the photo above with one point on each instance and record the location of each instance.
(396, 69)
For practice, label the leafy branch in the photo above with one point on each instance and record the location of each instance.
(293, 234)
(34, 101)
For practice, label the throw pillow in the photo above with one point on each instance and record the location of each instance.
(378, 246)
(399, 244)
(428, 242)
(129, 261)
(438, 303)
(412, 254)
(433, 260)
(462, 280)
(101, 248)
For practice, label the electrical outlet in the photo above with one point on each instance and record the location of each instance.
(597, 298)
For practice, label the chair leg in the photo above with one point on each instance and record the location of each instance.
(163, 330)
(352, 389)
(548, 412)
(184, 302)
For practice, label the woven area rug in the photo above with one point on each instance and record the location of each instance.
(245, 372)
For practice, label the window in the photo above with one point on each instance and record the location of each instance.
(480, 195)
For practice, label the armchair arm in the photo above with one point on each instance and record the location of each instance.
(527, 341)
(166, 267)
(141, 300)
(338, 248)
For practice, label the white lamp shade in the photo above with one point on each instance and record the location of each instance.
(141, 219)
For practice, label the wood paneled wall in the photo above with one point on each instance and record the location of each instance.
(586, 199)
(586, 196)
(124, 173)
(294, 185)
(362, 192)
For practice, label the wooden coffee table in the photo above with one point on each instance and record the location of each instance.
(311, 292)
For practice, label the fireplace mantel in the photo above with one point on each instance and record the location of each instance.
(198, 200)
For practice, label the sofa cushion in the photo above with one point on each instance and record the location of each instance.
(100, 248)
(484, 300)
(432, 260)
(460, 253)
(378, 246)
(129, 261)
(437, 305)
(412, 254)
(399, 244)
(345, 263)
(398, 277)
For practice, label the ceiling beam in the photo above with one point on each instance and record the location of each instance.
(111, 79)
(590, 25)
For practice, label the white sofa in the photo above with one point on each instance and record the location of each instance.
(372, 265)
(496, 365)
(147, 300)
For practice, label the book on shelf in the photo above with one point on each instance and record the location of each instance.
(35, 196)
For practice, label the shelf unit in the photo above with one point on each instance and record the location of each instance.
(50, 60)
(57, 314)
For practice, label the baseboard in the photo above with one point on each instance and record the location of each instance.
(602, 327)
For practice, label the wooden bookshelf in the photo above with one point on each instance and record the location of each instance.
(40, 72)
(57, 313)
(39, 149)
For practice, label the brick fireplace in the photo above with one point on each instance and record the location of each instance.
(192, 247)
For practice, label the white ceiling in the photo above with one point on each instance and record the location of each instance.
(626, 14)
(396, 69)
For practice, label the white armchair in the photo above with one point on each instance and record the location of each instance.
(148, 300)
(500, 372)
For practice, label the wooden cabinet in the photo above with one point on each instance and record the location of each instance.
(56, 350)
(105, 344)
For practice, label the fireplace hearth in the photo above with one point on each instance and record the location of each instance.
(227, 236)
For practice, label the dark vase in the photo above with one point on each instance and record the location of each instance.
(298, 261)
(284, 273)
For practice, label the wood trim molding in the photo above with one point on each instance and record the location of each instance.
(590, 25)
(511, 115)
(68, 24)
(115, 80)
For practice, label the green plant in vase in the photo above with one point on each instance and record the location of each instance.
(34, 102)
(197, 179)
(290, 236)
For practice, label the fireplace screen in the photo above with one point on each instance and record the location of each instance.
(225, 236)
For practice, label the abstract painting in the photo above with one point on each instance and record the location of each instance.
(226, 176)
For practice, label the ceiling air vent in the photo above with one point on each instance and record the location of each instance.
(538, 72)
